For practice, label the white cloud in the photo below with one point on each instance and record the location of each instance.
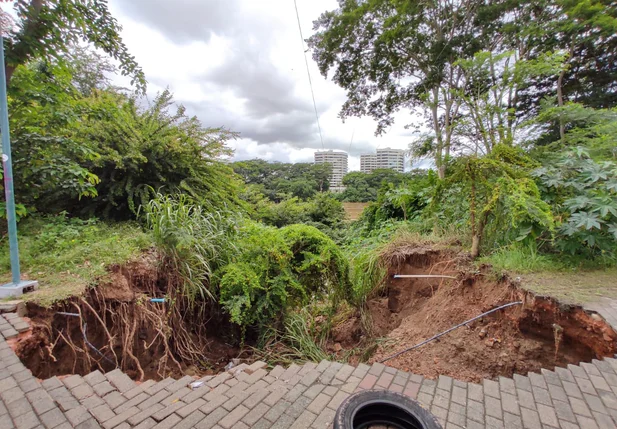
(240, 64)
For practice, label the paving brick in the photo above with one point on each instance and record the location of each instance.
(120, 380)
(277, 371)
(255, 366)
(531, 419)
(233, 417)
(19, 407)
(49, 384)
(337, 400)
(256, 398)
(167, 411)
(493, 407)
(277, 410)
(90, 424)
(384, 380)
(475, 411)
(214, 404)
(103, 388)
(360, 371)
(509, 403)
(95, 377)
(181, 383)
(78, 415)
(27, 421)
(120, 418)
(72, 381)
(156, 388)
(324, 419)
(376, 369)
(491, 388)
(368, 382)
(53, 418)
(211, 419)
(169, 422)
(304, 420)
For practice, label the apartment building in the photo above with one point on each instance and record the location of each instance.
(393, 159)
(339, 162)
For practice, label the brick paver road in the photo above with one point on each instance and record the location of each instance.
(307, 396)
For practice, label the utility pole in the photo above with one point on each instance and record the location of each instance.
(17, 285)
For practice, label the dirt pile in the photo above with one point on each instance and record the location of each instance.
(541, 333)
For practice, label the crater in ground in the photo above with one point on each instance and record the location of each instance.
(541, 333)
(116, 325)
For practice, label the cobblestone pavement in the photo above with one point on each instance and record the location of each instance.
(581, 396)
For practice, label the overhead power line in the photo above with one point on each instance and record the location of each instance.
(308, 72)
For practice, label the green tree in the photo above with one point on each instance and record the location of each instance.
(392, 55)
(48, 161)
(364, 187)
(280, 180)
(47, 29)
(158, 148)
(500, 190)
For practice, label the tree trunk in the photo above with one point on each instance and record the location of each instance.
(475, 245)
(562, 125)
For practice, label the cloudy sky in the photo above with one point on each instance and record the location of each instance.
(240, 64)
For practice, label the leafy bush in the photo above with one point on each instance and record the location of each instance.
(147, 150)
(278, 269)
(583, 194)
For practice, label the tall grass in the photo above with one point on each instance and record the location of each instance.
(300, 337)
(195, 241)
(522, 259)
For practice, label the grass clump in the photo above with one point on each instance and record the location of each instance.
(522, 259)
(195, 242)
(66, 255)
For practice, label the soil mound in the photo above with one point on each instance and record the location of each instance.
(541, 333)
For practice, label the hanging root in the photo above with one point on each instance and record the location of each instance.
(558, 332)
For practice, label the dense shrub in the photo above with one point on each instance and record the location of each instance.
(277, 269)
(583, 194)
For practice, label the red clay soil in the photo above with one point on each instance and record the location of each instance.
(515, 340)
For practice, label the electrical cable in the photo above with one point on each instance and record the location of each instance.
(449, 330)
(308, 72)
(83, 331)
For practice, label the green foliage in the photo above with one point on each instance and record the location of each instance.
(195, 241)
(48, 163)
(278, 269)
(323, 211)
(279, 181)
(364, 187)
(303, 334)
(593, 129)
(49, 29)
(153, 149)
(66, 255)
(502, 196)
(522, 258)
(583, 194)
(407, 201)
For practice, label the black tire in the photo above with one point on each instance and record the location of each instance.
(381, 407)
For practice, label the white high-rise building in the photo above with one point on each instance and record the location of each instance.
(339, 162)
(394, 159)
(368, 163)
